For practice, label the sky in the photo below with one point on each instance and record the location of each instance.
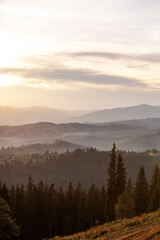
(84, 54)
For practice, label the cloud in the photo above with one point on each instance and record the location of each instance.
(152, 57)
(60, 75)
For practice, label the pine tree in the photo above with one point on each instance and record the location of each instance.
(141, 193)
(121, 176)
(69, 209)
(154, 202)
(129, 187)
(155, 179)
(5, 193)
(12, 200)
(60, 212)
(125, 207)
(101, 205)
(29, 207)
(8, 227)
(111, 186)
(92, 205)
(20, 209)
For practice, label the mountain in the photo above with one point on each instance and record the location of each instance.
(150, 140)
(40, 148)
(120, 114)
(136, 135)
(145, 227)
(150, 123)
(17, 116)
(100, 136)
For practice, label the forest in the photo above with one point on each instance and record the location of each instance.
(86, 166)
(42, 211)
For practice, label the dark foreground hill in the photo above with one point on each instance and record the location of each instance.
(146, 227)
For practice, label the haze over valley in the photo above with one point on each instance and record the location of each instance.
(132, 128)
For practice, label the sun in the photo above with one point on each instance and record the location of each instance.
(7, 80)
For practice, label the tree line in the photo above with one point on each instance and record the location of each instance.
(42, 211)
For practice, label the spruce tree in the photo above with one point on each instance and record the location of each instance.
(69, 209)
(8, 227)
(155, 179)
(129, 187)
(141, 193)
(125, 206)
(111, 186)
(154, 202)
(121, 176)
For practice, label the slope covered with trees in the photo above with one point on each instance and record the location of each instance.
(85, 166)
(43, 211)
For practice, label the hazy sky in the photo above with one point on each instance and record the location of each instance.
(79, 54)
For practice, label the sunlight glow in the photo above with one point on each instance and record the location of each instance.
(7, 80)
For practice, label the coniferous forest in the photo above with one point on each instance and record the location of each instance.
(43, 211)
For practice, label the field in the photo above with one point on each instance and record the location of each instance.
(145, 227)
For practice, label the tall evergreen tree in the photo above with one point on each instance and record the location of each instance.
(5, 193)
(29, 208)
(125, 206)
(101, 205)
(141, 193)
(12, 200)
(8, 227)
(20, 210)
(129, 187)
(155, 179)
(111, 186)
(154, 202)
(121, 176)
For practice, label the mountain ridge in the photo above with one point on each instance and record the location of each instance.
(18, 116)
(137, 135)
(142, 111)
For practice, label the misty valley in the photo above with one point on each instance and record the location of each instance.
(64, 178)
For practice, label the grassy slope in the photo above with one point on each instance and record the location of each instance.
(145, 227)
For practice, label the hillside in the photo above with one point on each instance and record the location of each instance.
(84, 166)
(150, 140)
(136, 135)
(146, 227)
(100, 136)
(40, 148)
(120, 114)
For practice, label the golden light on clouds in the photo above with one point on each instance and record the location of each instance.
(7, 80)
(79, 49)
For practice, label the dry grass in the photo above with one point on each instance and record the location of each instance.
(146, 227)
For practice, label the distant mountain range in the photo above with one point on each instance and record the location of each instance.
(132, 128)
(17, 116)
(120, 114)
(137, 135)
